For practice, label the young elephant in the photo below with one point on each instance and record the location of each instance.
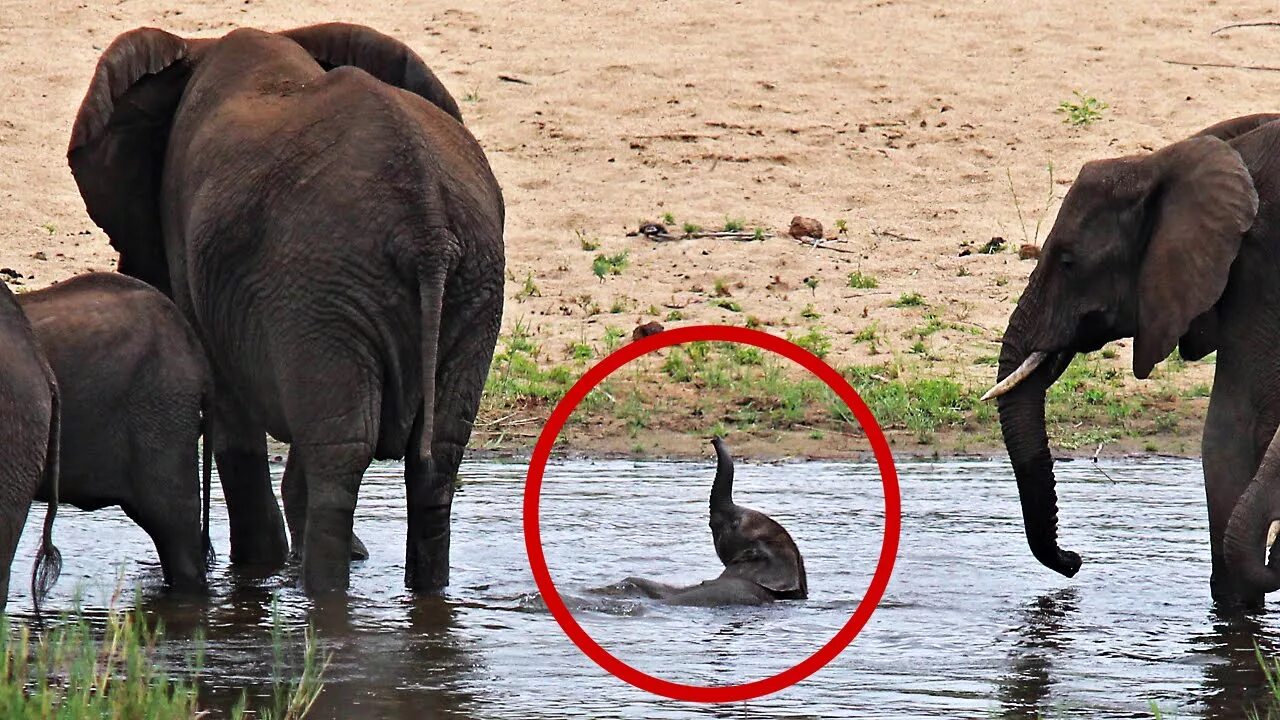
(28, 445)
(761, 561)
(134, 381)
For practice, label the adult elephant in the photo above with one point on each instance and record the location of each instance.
(314, 206)
(30, 432)
(761, 561)
(1180, 247)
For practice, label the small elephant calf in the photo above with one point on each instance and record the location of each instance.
(134, 382)
(761, 561)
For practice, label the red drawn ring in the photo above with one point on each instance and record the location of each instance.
(754, 688)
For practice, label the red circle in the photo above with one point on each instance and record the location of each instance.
(720, 693)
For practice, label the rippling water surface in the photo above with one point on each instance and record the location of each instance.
(971, 625)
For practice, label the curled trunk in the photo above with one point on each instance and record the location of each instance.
(1023, 426)
(1245, 540)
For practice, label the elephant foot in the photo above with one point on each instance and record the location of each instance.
(266, 549)
(358, 551)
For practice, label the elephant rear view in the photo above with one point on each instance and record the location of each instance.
(29, 445)
(313, 204)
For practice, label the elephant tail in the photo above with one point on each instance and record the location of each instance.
(48, 559)
(431, 281)
(206, 469)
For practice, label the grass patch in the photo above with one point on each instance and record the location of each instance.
(610, 264)
(911, 299)
(861, 281)
(1082, 110)
(72, 671)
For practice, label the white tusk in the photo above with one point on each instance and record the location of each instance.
(1027, 367)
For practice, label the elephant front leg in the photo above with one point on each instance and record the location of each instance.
(1231, 452)
(257, 529)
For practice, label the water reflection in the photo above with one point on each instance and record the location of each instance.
(1234, 680)
(1025, 688)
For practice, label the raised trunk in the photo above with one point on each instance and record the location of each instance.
(1246, 535)
(1022, 424)
(722, 488)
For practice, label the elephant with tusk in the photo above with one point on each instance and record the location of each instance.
(1176, 248)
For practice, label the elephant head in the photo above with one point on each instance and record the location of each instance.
(752, 545)
(1142, 247)
(121, 132)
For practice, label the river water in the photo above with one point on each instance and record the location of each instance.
(971, 626)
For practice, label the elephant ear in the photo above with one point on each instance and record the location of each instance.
(382, 56)
(774, 563)
(1201, 203)
(118, 143)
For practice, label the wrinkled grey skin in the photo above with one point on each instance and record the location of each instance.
(314, 206)
(1178, 248)
(29, 433)
(761, 561)
(134, 382)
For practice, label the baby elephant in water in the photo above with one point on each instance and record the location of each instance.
(134, 381)
(761, 561)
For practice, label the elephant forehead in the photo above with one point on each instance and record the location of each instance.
(757, 525)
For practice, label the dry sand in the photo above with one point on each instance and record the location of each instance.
(905, 119)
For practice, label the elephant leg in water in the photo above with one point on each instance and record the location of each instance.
(293, 491)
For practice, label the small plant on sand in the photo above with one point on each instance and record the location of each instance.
(609, 264)
(691, 228)
(721, 288)
(581, 351)
(1084, 110)
(586, 243)
(726, 304)
(861, 281)
(810, 313)
(842, 226)
(758, 234)
(753, 322)
(528, 289)
(911, 299)
(733, 225)
(668, 218)
(472, 95)
(811, 282)
(674, 316)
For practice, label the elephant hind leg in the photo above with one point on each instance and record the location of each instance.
(430, 496)
(240, 452)
(293, 490)
(334, 472)
(175, 531)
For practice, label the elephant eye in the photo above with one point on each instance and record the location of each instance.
(1067, 259)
